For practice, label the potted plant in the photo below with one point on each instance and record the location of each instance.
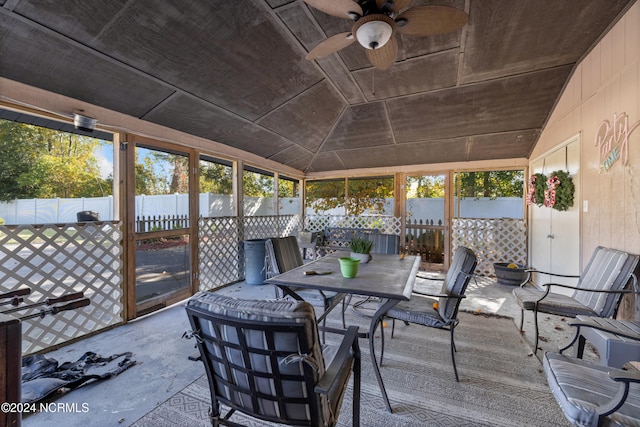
(361, 248)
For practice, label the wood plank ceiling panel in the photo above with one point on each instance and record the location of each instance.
(197, 117)
(307, 118)
(508, 104)
(68, 68)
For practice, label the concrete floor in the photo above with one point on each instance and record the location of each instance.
(163, 367)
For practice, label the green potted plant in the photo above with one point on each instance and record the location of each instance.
(361, 248)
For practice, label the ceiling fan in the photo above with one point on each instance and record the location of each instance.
(376, 21)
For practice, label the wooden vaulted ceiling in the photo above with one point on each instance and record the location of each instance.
(234, 72)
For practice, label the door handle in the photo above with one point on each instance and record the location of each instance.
(551, 236)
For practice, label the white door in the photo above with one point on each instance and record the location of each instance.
(554, 242)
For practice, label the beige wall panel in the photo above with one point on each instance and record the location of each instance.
(577, 88)
(632, 35)
(606, 58)
(590, 75)
(606, 82)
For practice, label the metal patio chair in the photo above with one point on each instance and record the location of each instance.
(598, 292)
(591, 394)
(264, 359)
(438, 310)
(283, 254)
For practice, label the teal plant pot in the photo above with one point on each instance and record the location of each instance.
(349, 267)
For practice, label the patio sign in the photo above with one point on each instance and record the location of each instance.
(612, 140)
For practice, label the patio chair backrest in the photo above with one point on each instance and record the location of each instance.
(608, 269)
(262, 358)
(458, 276)
(282, 254)
(383, 243)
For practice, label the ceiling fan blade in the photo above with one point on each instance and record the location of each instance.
(396, 6)
(331, 45)
(384, 57)
(430, 20)
(339, 8)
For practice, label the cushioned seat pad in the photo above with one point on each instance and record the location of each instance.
(418, 310)
(580, 386)
(553, 303)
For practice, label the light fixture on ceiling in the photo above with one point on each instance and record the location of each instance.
(374, 31)
(84, 123)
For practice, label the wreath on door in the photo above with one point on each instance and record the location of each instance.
(560, 189)
(537, 187)
(555, 191)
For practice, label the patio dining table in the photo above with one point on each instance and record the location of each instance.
(388, 277)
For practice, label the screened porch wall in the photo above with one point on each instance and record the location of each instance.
(59, 259)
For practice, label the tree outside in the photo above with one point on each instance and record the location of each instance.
(490, 184)
(37, 162)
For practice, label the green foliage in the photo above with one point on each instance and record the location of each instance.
(216, 178)
(1, 221)
(365, 194)
(492, 184)
(159, 172)
(325, 195)
(360, 245)
(564, 190)
(255, 184)
(425, 187)
(288, 188)
(36, 162)
(539, 186)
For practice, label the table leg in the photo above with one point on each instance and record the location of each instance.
(386, 305)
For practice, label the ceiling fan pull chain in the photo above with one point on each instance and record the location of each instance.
(373, 82)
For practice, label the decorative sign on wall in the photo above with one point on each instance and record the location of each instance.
(612, 140)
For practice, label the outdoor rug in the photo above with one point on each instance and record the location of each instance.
(500, 385)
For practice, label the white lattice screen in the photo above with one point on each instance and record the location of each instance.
(57, 259)
(386, 224)
(493, 240)
(221, 249)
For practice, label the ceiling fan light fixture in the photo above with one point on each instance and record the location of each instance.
(374, 34)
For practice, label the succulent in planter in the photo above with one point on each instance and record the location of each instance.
(361, 248)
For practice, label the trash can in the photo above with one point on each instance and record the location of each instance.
(85, 216)
(254, 253)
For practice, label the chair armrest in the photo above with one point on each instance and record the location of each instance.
(625, 376)
(439, 279)
(587, 324)
(439, 295)
(602, 291)
(534, 270)
(340, 361)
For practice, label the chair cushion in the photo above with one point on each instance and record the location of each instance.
(419, 310)
(455, 282)
(601, 273)
(271, 311)
(554, 303)
(580, 387)
(287, 253)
